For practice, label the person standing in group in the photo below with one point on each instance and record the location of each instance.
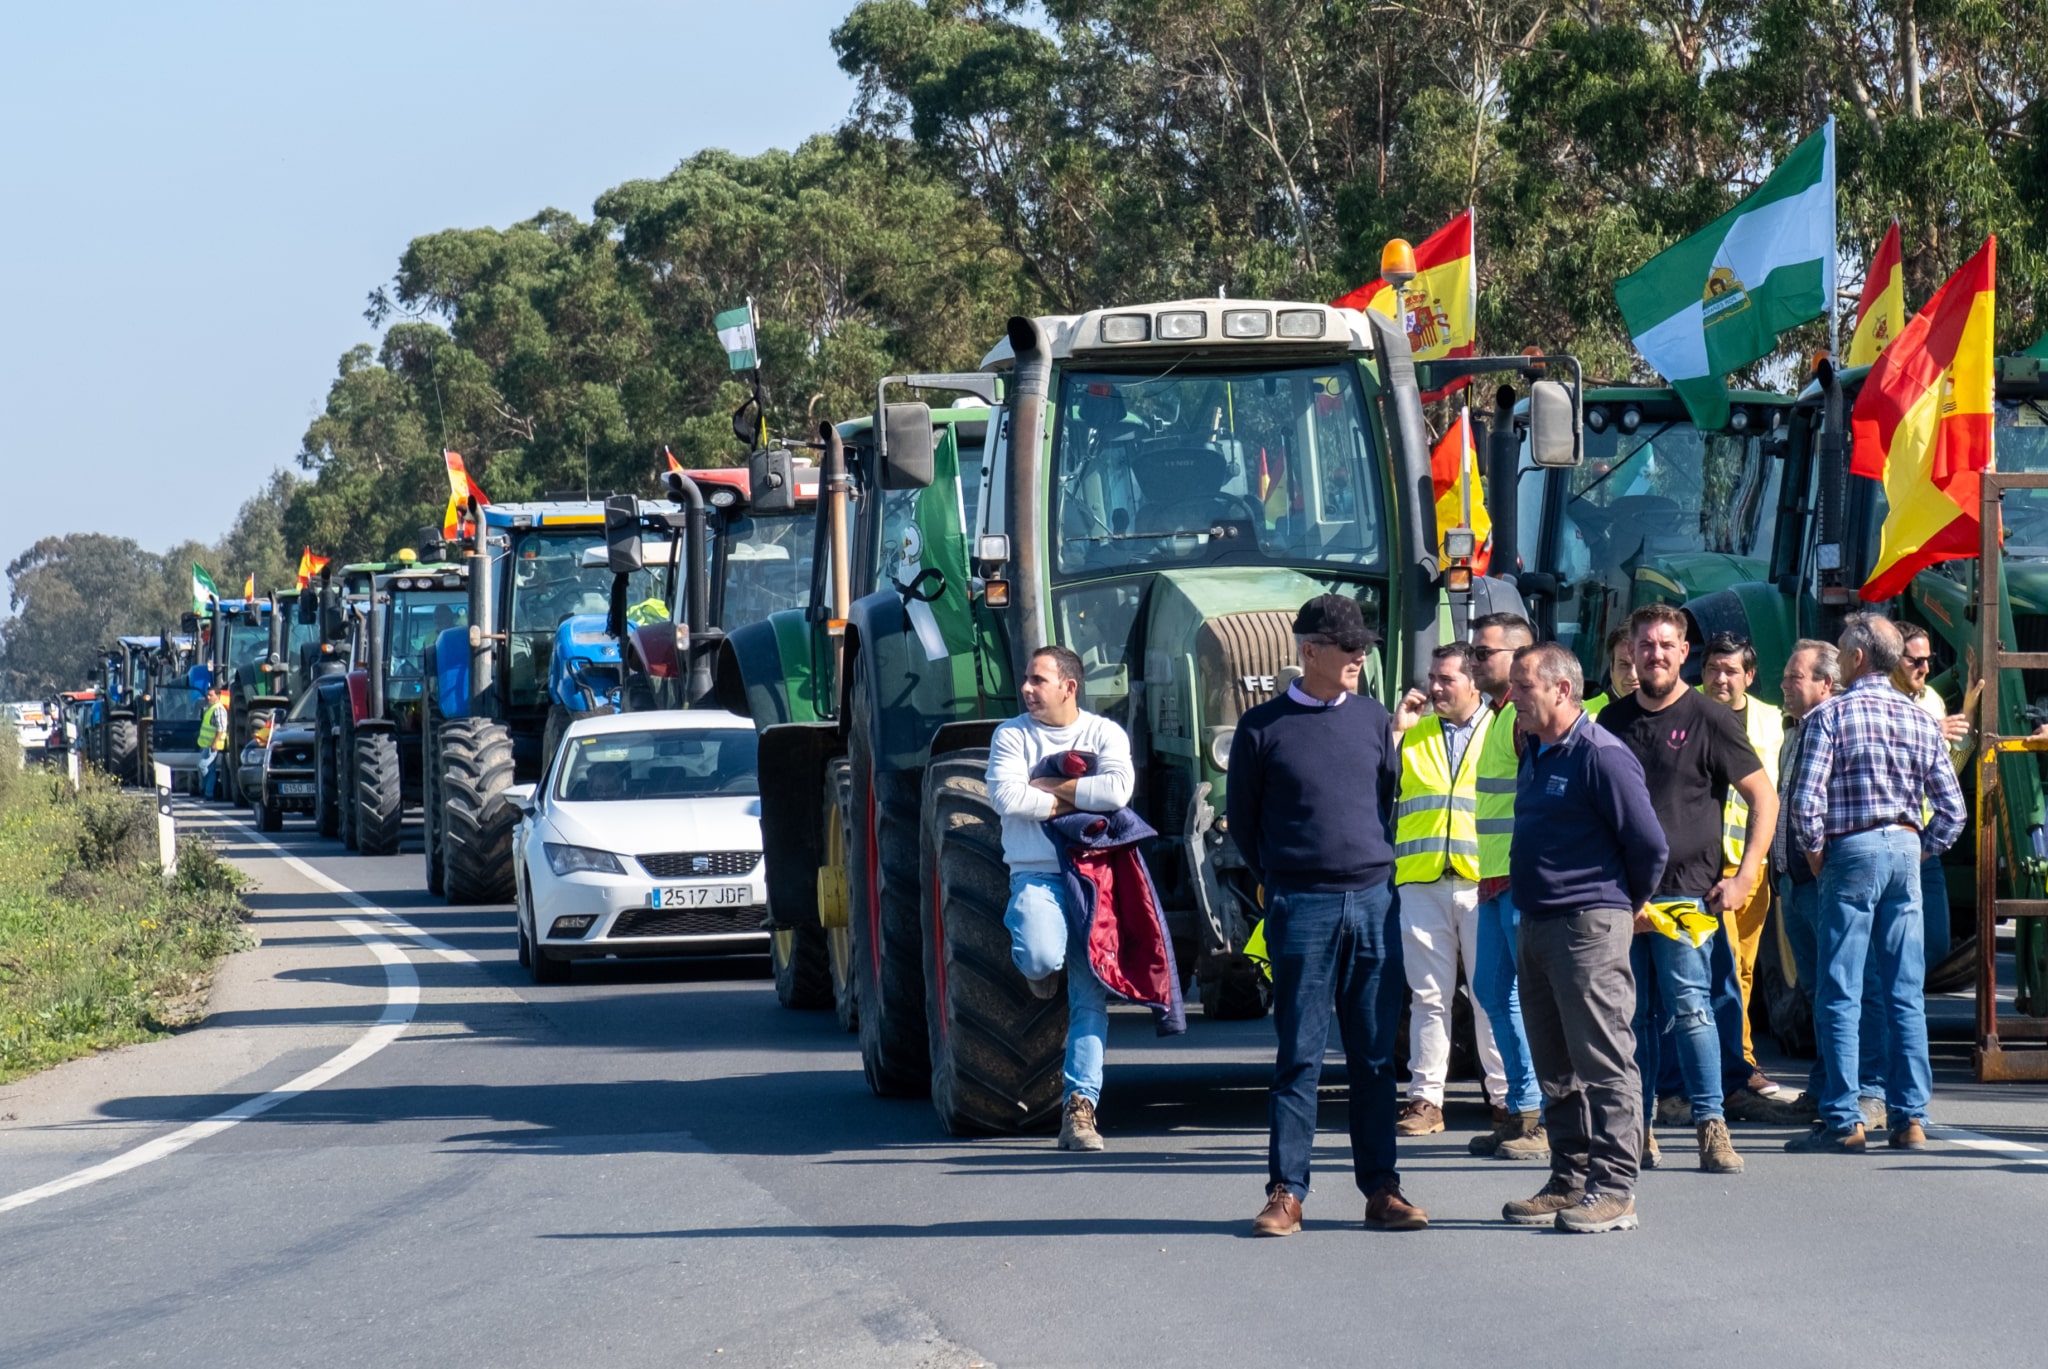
(213, 742)
(1911, 679)
(1588, 852)
(1043, 938)
(1436, 870)
(1693, 753)
(1621, 672)
(1312, 780)
(1517, 1125)
(1876, 794)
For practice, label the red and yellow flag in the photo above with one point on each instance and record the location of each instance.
(1881, 313)
(249, 586)
(1922, 425)
(1440, 307)
(675, 467)
(310, 566)
(461, 489)
(1454, 477)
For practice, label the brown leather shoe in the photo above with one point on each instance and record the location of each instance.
(1281, 1216)
(1911, 1136)
(1419, 1117)
(1387, 1210)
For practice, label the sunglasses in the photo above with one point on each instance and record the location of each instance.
(1918, 662)
(1487, 653)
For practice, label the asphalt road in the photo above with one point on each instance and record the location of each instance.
(657, 1165)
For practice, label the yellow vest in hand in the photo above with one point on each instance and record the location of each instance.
(1436, 817)
(1498, 766)
(1765, 728)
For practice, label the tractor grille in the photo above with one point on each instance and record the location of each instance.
(1239, 656)
(684, 864)
(688, 922)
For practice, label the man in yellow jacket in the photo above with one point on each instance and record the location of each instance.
(213, 741)
(1436, 873)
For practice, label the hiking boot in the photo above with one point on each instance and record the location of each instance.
(1281, 1216)
(1909, 1136)
(1542, 1209)
(1717, 1149)
(1077, 1127)
(1598, 1212)
(1047, 986)
(1653, 1154)
(1674, 1110)
(1387, 1210)
(1488, 1142)
(1419, 1117)
(1825, 1140)
(1527, 1140)
(1873, 1111)
(1748, 1105)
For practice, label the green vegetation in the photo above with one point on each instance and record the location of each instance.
(95, 949)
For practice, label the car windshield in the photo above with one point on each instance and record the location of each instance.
(1177, 468)
(1664, 489)
(673, 763)
(767, 565)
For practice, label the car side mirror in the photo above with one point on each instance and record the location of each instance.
(522, 796)
(771, 481)
(622, 534)
(907, 452)
(1555, 435)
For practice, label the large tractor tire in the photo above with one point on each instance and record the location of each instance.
(345, 785)
(803, 968)
(838, 819)
(326, 773)
(430, 793)
(882, 910)
(380, 794)
(476, 824)
(124, 752)
(996, 1047)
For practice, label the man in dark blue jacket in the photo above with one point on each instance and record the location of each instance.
(1588, 853)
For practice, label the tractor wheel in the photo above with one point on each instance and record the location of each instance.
(476, 824)
(1956, 970)
(803, 971)
(838, 817)
(345, 780)
(430, 792)
(882, 913)
(269, 817)
(122, 752)
(996, 1047)
(379, 795)
(1234, 990)
(326, 774)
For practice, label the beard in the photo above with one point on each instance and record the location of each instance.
(1670, 687)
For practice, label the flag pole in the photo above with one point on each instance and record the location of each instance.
(1834, 251)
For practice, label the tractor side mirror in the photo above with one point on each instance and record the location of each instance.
(251, 616)
(907, 451)
(308, 606)
(188, 623)
(771, 481)
(622, 534)
(1555, 438)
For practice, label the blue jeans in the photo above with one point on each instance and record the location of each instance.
(1870, 918)
(1674, 985)
(1934, 901)
(209, 773)
(1728, 1010)
(1341, 953)
(1799, 905)
(1041, 942)
(1498, 989)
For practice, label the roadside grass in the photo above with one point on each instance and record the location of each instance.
(96, 950)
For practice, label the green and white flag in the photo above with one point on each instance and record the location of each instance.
(203, 592)
(1719, 299)
(736, 334)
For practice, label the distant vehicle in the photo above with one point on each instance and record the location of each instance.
(32, 725)
(642, 838)
(284, 779)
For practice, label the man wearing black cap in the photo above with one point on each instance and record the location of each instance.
(1312, 781)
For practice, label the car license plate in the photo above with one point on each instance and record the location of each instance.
(701, 896)
(295, 788)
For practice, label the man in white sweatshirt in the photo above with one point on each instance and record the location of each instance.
(1042, 939)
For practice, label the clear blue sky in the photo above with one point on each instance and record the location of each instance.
(198, 196)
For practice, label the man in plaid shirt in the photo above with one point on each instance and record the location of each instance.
(1869, 759)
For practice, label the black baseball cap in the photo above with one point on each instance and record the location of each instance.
(1337, 618)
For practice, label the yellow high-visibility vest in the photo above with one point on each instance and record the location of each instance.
(1595, 704)
(1495, 786)
(647, 611)
(1765, 728)
(213, 729)
(1436, 816)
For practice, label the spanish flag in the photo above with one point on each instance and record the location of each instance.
(461, 489)
(1454, 476)
(310, 566)
(1882, 310)
(249, 586)
(1440, 307)
(675, 467)
(1922, 425)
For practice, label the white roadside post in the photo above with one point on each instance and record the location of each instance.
(166, 825)
(71, 765)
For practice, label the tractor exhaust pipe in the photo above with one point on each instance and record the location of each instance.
(1030, 380)
(483, 627)
(697, 589)
(1414, 497)
(380, 607)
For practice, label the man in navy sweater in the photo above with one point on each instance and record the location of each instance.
(1588, 852)
(1312, 780)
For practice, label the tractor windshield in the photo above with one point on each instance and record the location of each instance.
(767, 565)
(548, 582)
(246, 645)
(2022, 438)
(1192, 468)
(418, 617)
(1664, 489)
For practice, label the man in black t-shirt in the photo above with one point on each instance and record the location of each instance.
(1693, 751)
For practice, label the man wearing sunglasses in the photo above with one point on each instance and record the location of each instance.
(1911, 680)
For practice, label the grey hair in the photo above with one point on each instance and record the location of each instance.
(1825, 658)
(1876, 638)
(1553, 663)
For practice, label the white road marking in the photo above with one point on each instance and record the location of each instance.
(390, 921)
(1973, 1140)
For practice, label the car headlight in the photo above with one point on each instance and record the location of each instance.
(564, 859)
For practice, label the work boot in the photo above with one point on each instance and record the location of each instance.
(1527, 1140)
(1077, 1127)
(1873, 1111)
(1825, 1140)
(1542, 1209)
(1717, 1149)
(1674, 1110)
(1909, 1136)
(1419, 1117)
(1488, 1142)
(1281, 1216)
(1598, 1212)
(1387, 1210)
(1653, 1154)
(1748, 1105)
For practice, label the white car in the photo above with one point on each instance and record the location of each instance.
(642, 838)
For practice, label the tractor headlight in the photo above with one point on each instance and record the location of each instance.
(1126, 328)
(1247, 323)
(1302, 323)
(1183, 325)
(1219, 746)
(564, 859)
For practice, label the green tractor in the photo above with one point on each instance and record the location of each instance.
(1166, 485)
(237, 649)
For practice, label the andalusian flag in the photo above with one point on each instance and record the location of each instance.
(203, 592)
(249, 586)
(736, 334)
(461, 489)
(1719, 299)
(1460, 495)
(310, 566)
(1882, 310)
(1922, 425)
(1440, 307)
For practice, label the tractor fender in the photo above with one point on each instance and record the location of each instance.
(792, 763)
(764, 671)
(912, 696)
(358, 694)
(1757, 612)
(449, 667)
